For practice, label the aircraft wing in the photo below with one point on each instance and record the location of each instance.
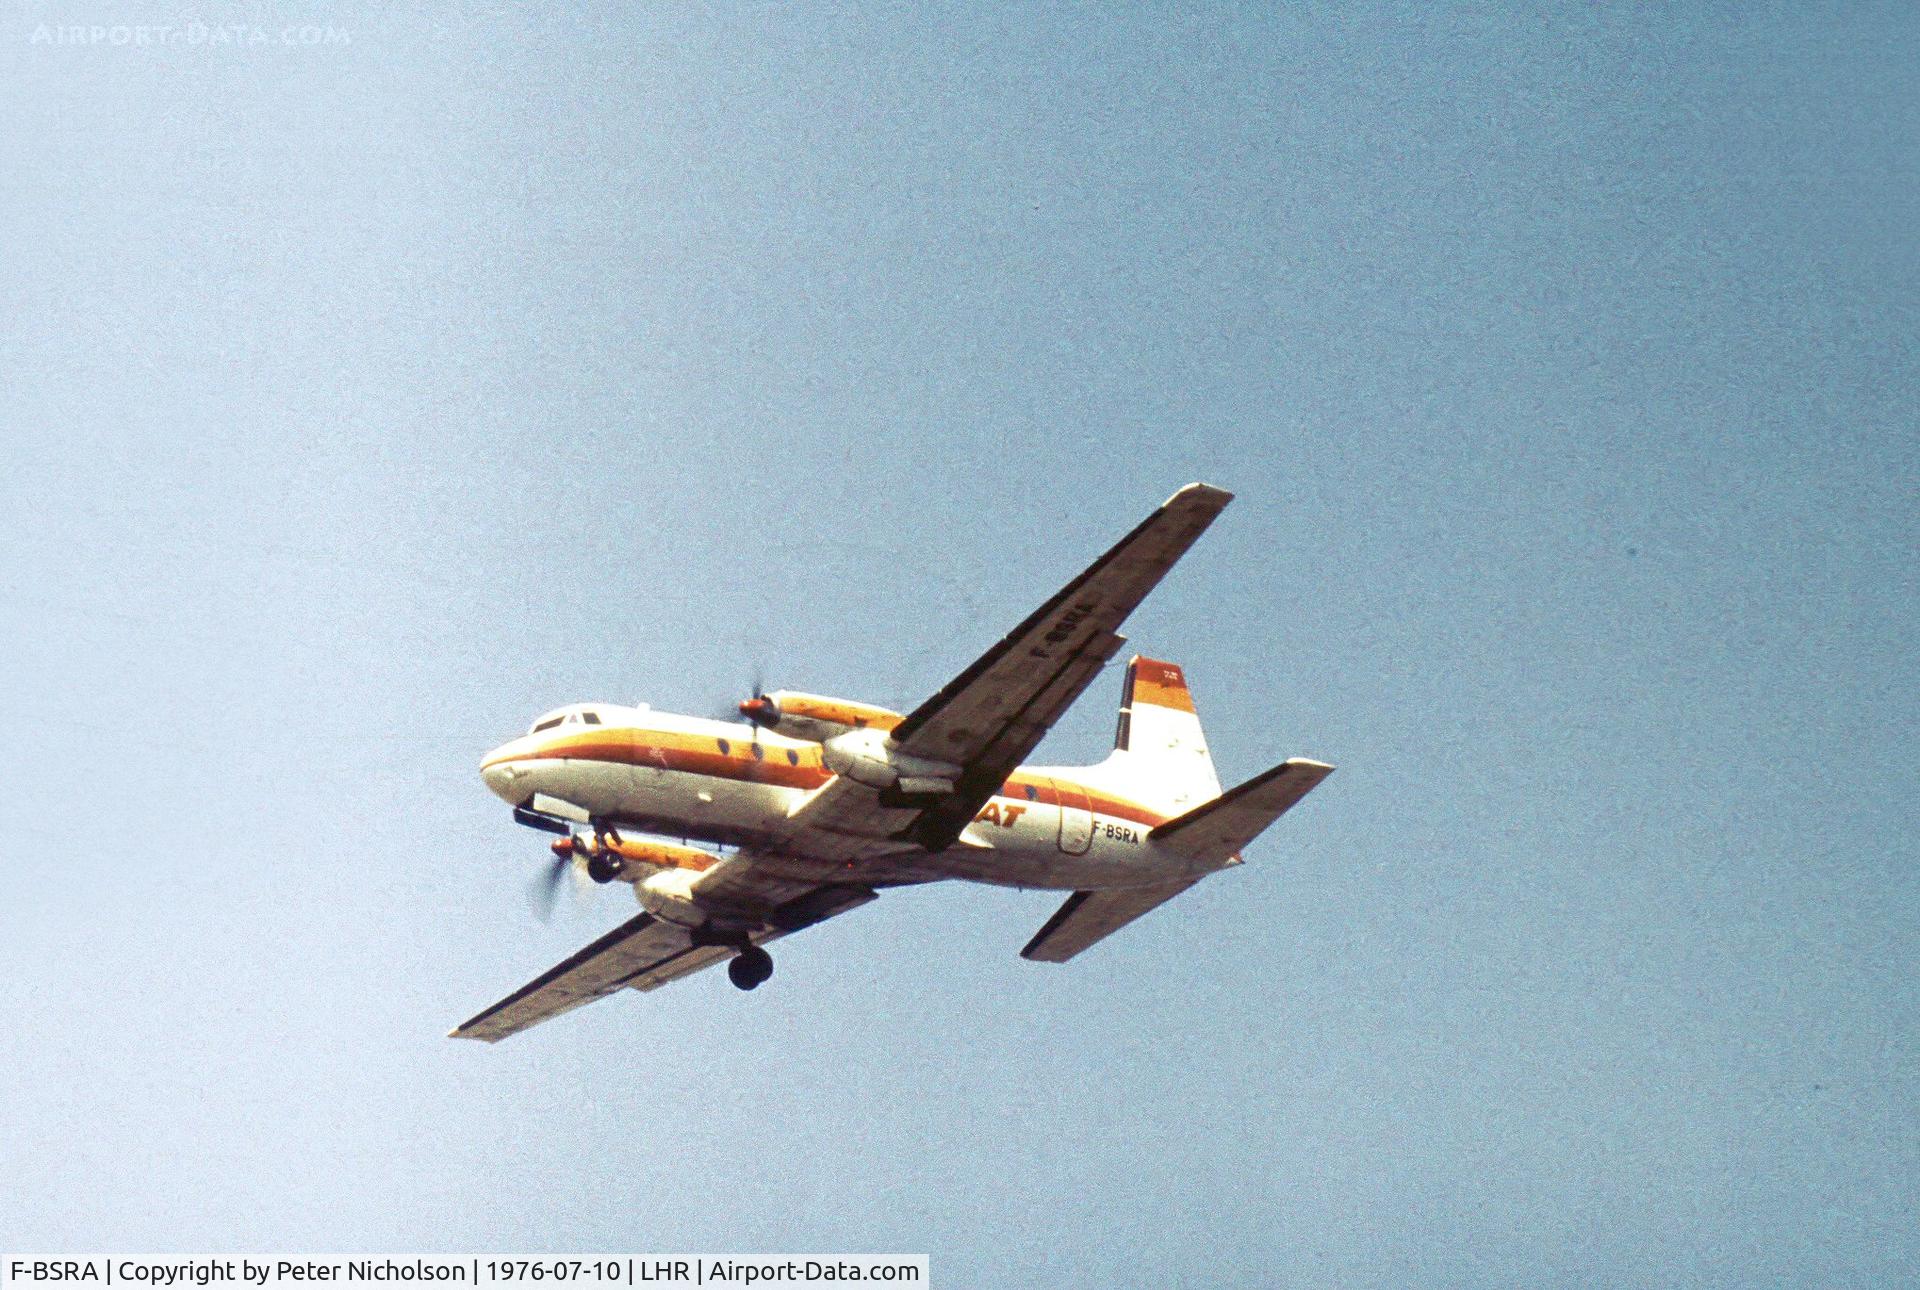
(993, 714)
(643, 953)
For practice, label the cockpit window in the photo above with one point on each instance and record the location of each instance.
(566, 717)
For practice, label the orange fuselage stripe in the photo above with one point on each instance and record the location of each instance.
(700, 755)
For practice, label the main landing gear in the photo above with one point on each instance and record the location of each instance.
(750, 967)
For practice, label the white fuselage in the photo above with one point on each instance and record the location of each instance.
(734, 784)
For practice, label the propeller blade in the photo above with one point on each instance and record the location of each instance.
(544, 889)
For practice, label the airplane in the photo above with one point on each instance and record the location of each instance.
(811, 806)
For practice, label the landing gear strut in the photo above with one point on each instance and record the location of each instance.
(750, 967)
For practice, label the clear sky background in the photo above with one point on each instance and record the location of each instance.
(361, 401)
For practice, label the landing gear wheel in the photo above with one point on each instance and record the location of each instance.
(750, 967)
(602, 869)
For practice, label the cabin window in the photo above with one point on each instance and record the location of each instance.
(793, 758)
(725, 747)
(1033, 793)
(759, 753)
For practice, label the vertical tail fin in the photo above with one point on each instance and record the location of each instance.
(1160, 753)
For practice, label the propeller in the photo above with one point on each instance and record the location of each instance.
(760, 711)
(543, 889)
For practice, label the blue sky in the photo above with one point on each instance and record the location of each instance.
(364, 399)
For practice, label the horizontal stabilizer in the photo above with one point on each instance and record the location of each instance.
(1090, 916)
(1226, 824)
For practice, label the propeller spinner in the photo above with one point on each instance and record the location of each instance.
(761, 710)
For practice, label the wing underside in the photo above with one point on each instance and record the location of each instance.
(643, 953)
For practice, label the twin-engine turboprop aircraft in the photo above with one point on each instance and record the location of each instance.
(825, 802)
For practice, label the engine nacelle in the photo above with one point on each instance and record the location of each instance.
(817, 717)
(869, 757)
(610, 857)
(668, 895)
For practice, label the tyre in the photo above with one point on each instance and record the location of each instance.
(745, 972)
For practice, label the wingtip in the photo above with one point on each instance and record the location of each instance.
(1217, 498)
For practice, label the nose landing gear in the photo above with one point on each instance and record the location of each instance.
(750, 967)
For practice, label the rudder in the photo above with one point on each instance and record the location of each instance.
(1159, 750)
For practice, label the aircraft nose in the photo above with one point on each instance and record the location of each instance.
(500, 776)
